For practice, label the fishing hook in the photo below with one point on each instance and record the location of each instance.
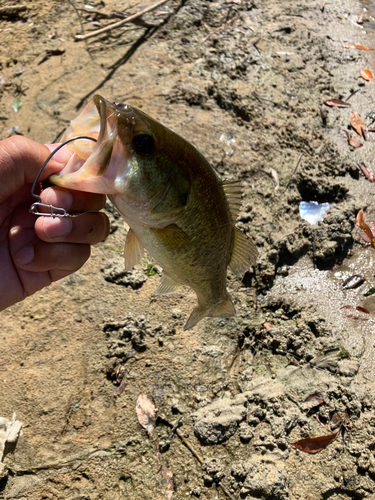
(53, 211)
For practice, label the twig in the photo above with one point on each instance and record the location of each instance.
(50, 53)
(188, 445)
(120, 23)
(12, 10)
(120, 15)
(351, 95)
(294, 171)
(77, 12)
(200, 460)
(219, 29)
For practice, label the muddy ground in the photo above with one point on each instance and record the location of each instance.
(250, 96)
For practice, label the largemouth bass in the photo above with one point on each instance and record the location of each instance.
(172, 199)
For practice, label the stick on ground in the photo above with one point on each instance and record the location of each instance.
(294, 171)
(120, 23)
(219, 29)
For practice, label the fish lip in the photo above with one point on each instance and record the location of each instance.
(89, 173)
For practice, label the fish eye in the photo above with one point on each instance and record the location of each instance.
(143, 144)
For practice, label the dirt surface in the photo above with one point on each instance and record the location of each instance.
(230, 393)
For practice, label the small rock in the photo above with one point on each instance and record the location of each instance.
(176, 314)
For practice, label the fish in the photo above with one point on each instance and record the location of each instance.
(176, 206)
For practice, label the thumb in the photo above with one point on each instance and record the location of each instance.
(20, 161)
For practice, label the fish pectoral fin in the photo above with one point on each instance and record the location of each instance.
(133, 251)
(244, 253)
(167, 285)
(224, 309)
(233, 193)
(172, 236)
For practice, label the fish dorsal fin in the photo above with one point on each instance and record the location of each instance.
(167, 285)
(133, 251)
(233, 193)
(244, 253)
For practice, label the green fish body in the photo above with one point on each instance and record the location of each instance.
(172, 199)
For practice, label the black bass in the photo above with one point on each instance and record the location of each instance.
(172, 199)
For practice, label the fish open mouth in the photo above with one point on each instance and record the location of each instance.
(93, 165)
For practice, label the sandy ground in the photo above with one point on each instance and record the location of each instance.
(250, 96)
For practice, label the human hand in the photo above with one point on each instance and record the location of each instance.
(37, 251)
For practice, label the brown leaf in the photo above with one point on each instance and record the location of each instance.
(336, 420)
(353, 281)
(145, 409)
(168, 474)
(356, 308)
(366, 75)
(267, 326)
(369, 229)
(338, 103)
(315, 396)
(313, 445)
(312, 401)
(355, 46)
(357, 123)
(353, 141)
(117, 391)
(370, 176)
(362, 309)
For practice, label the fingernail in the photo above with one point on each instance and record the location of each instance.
(56, 228)
(24, 256)
(58, 198)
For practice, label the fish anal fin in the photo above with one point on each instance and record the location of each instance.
(133, 251)
(224, 309)
(244, 253)
(167, 285)
(233, 193)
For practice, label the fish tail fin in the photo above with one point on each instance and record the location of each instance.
(223, 309)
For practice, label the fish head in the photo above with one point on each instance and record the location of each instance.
(137, 161)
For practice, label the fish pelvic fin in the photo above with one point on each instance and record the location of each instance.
(167, 285)
(233, 193)
(224, 309)
(133, 251)
(244, 253)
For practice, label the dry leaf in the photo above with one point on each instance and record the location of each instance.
(336, 420)
(314, 445)
(357, 123)
(362, 309)
(353, 281)
(369, 229)
(370, 176)
(337, 103)
(145, 409)
(316, 396)
(276, 178)
(117, 391)
(312, 401)
(355, 46)
(366, 75)
(357, 308)
(168, 474)
(267, 326)
(353, 141)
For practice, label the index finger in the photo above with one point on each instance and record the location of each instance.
(73, 201)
